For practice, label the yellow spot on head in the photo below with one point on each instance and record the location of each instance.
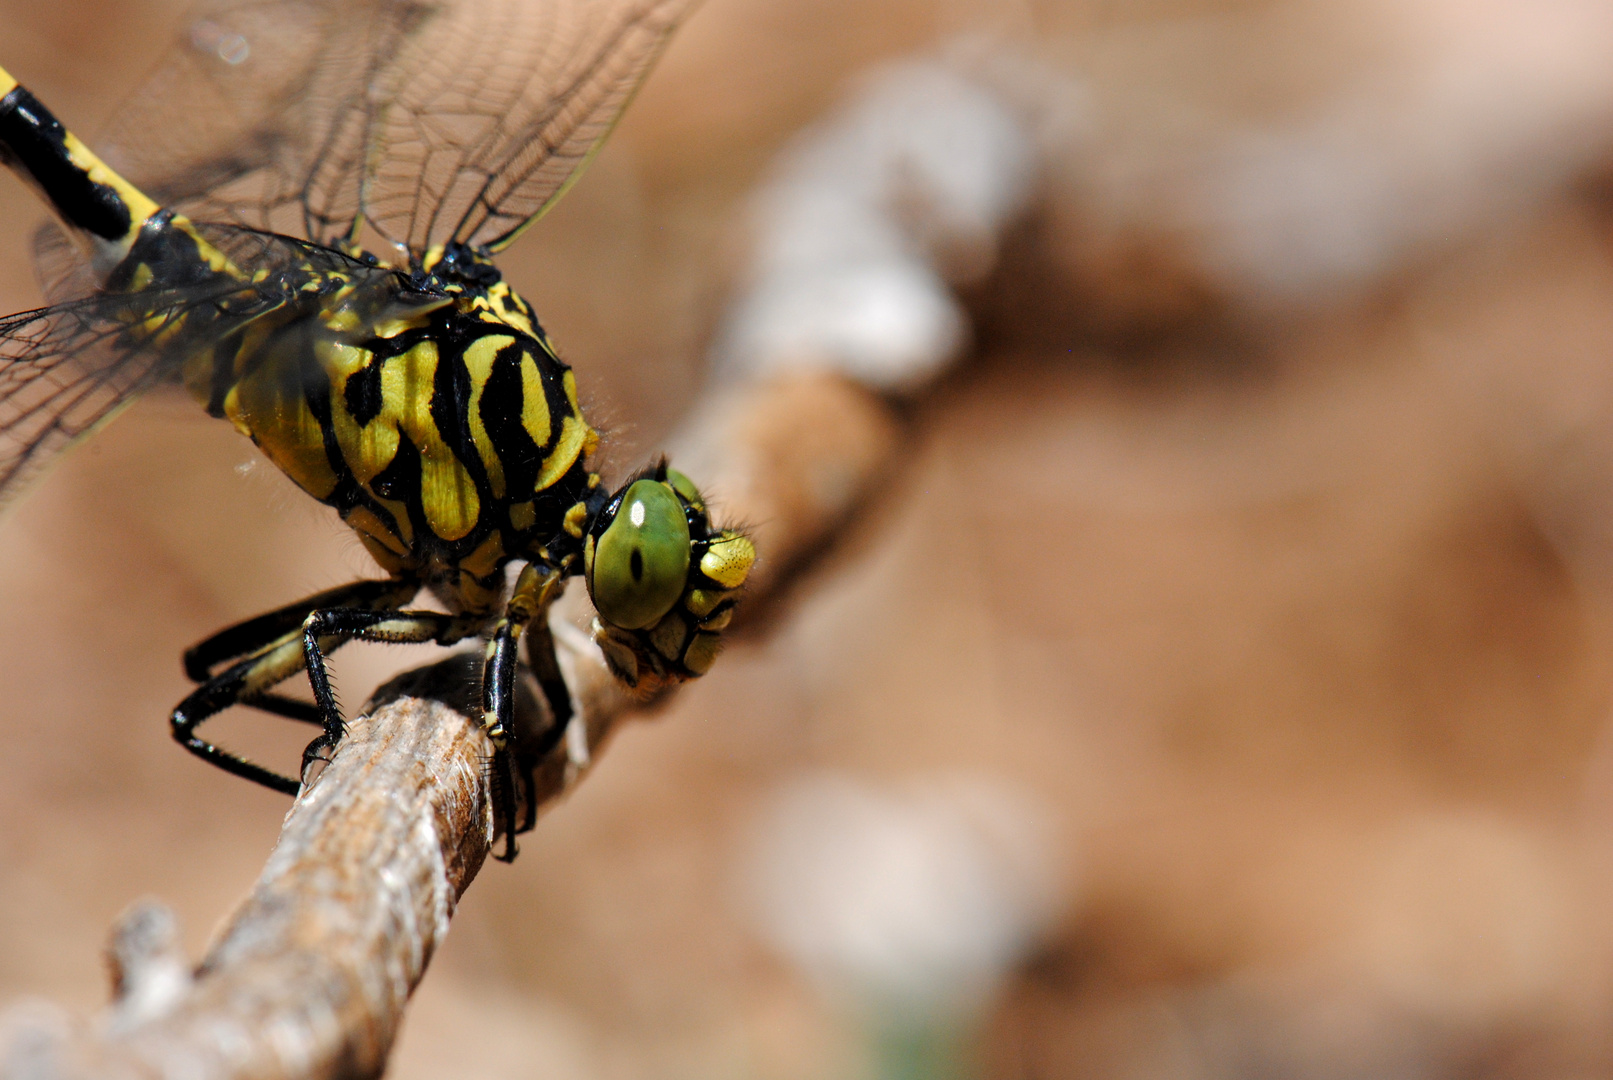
(522, 515)
(728, 560)
(699, 602)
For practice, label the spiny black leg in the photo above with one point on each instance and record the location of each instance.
(266, 648)
(249, 680)
(329, 628)
(498, 692)
(511, 771)
(275, 662)
(546, 669)
(535, 590)
(237, 641)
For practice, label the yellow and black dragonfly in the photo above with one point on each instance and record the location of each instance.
(296, 220)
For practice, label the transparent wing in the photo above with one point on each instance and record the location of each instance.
(62, 373)
(66, 369)
(503, 101)
(262, 112)
(60, 266)
(460, 120)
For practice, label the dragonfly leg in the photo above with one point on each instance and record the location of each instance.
(245, 637)
(245, 681)
(526, 613)
(262, 652)
(329, 628)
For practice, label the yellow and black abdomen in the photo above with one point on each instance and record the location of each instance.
(104, 211)
(448, 442)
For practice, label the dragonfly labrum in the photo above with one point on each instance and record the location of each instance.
(312, 259)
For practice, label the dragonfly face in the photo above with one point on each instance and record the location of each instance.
(422, 401)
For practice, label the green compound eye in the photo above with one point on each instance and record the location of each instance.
(641, 562)
(685, 487)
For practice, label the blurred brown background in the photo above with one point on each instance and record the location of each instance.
(1218, 688)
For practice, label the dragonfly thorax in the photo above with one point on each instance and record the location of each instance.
(431, 412)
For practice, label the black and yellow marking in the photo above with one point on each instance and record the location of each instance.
(92, 200)
(425, 404)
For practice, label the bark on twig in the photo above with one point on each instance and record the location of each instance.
(311, 975)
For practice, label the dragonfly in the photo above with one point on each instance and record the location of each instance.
(296, 220)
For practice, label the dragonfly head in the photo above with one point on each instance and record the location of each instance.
(663, 582)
